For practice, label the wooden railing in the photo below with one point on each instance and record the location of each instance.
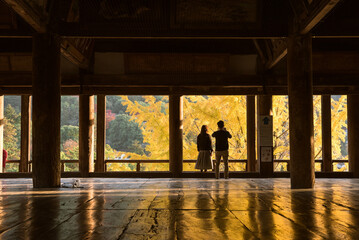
(139, 162)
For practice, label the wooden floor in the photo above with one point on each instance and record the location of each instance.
(180, 209)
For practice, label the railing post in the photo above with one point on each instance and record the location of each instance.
(138, 167)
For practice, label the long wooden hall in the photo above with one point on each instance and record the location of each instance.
(114, 93)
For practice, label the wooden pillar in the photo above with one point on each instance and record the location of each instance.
(353, 134)
(326, 134)
(300, 93)
(25, 133)
(264, 107)
(176, 131)
(46, 87)
(100, 137)
(251, 134)
(86, 134)
(1, 131)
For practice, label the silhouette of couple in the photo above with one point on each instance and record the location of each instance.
(204, 147)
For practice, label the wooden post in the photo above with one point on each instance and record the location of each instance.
(251, 134)
(353, 134)
(176, 131)
(101, 137)
(86, 134)
(46, 110)
(25, 133)
(264, 107)
(326, 134)
(300, 92)
(1, 131)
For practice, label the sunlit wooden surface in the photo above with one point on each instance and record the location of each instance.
(180, 209)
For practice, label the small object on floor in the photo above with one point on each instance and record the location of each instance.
(76, 183)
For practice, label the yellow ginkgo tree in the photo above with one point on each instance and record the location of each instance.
(152, 115)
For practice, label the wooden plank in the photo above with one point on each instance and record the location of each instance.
(32, 15)
(101, 135)
(25, 133)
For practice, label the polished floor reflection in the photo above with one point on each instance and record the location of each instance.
(180, 209)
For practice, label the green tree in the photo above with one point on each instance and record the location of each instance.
(14, 101)
(69, 132)
(12, 132)
(123, 134)
(69, 110)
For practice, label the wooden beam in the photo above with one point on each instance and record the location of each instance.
(300, 96)
(25, 133)
(317, 10)
(271, 51)
(251, 134)
(176, 132)
(274, 50)
(183, 91)
(86, 134)
(30, 13)
(20, 80)
(78, 51)
(101, 135)
(326, 134)
(353, 134)
(264, 107)
(46, 111)
(104, 30)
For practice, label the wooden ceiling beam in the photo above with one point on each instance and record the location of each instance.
(202, 81)
(77, 51)
(316, 11)
(31, 14)
(181, 90)
(307, 15)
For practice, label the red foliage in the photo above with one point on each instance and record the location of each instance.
(110, 116)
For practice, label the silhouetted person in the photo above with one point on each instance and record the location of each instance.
(204, 147)
(221, 136)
